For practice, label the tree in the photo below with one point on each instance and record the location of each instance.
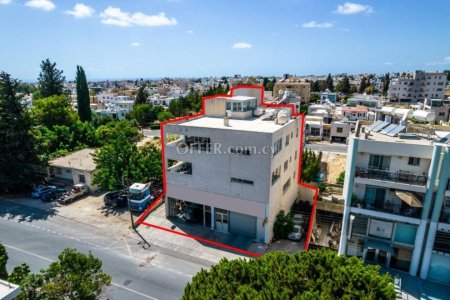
(448, 74)
(343, 86)
(315, 274)
(353, 89)
(51, 80)
(341, 178)
(54, 110)
(176, 108)
(18, 158)
(142, 113)
(83, 98)
(164, 116)
(386, 83)
(362, 85)
(310, 165)
(141, 96)
(283, 225)
(369, 90)
(329, 81)
(3, 261)
(315, 87)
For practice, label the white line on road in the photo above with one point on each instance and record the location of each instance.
(29, 253)
(50, 260)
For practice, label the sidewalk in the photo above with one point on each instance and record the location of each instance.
(190, 246)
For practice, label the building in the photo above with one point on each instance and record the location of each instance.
(397, 201)
(417, 86)
(351, 113)
(327, 95)
(340, 131)
(114, 106)
(8, 290)
(371, 101)
(302, 89)
(233, 174)
(313, 128)
(77, 167)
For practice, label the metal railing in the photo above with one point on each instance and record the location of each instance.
(402, 209)
(395, 176)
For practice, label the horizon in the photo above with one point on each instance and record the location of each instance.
(191, 39)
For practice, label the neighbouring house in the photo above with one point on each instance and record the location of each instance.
(235, 167)
(314, 128)
(302, 89)
(397, 199)
(8, 290)
(327, 95)
(340, 131)
(364, 100)
(77, 167)
(351, 113)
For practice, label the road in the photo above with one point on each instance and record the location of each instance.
(152, 132)
(327, 147)
(36, 238)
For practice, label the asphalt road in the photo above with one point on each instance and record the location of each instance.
(327, 147)
(36, 238)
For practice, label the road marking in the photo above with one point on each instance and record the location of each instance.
(29, 253)
(50, 260)
(128, 246)
(133, 291)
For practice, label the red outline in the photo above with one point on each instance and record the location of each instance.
(141, 218)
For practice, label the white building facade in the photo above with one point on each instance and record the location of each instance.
(397, 202)
(234, 174)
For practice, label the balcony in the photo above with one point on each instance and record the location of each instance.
(393, 176)
(181, 168)
(390, 207)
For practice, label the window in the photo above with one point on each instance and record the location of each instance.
(295, 155)
(295, 173)
(414, 161)
(292, 135)
(296, 132)
(286, 165)
(315, 131)
(58, 171)
(240, 150)
(339, 129)
(374, 197)
(287, 140)
(68, 171)
(81, 178)
(276, 174)
(242, 181)
(286, 185)
(379, 162)
(277, 146)
(199, 143)
(441, 113)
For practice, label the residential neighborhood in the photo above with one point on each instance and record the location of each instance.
(182, 164)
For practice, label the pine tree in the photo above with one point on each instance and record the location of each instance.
(362, 85)
(386, 83)
(51, 81)
(141, 96)
(330, 85)
(83, 99)
(18, 157)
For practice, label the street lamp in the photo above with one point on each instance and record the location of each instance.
(350, 228)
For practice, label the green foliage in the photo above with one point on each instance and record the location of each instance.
(3, 261)
(283, 225)
(53, 110)
(322, 187)
(177, 108)
(387, 81)
(51, 80)
(108, 133)
(83, 98)
(19, 274)
(316, 274)
(18, 157)
(310, 165)
(142, 113)
(363, 85)
(164, 116)
(341, 178)
(343, 86)
(369, 90)
(329, 81)
(315, 86)
(120, 161)
(353, 89)
(141, 96)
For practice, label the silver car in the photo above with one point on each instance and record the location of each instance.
(296, 233)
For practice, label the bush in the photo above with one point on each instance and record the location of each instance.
(316, 274)
(283, 225)
(322, 187)
(340, 179)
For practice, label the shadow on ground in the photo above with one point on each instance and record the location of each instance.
(18, 207)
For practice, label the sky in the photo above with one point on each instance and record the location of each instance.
(194, 38)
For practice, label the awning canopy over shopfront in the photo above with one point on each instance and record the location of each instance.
(379, 245)
(409, 198)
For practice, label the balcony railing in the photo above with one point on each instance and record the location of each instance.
(398, 176)
(402, 209)
(181, 168)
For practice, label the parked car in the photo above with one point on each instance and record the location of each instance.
(296, 233)
(40, 190)
(116, 198)
(79, 190)
(53, 195)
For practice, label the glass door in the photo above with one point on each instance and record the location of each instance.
(221, 220)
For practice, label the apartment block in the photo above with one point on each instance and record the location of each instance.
(397, 202)
(417, 86)
(302, 89)
(234, 168)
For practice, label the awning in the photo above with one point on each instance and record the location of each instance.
(379, 245)
(409, 198)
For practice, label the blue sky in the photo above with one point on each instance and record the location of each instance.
(156, 38)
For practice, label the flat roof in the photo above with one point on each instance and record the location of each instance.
(254, 124)
(80, 160)
(377, 136)
(240, 98)
(8, 290)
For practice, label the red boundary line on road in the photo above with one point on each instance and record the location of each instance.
(141, 218)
